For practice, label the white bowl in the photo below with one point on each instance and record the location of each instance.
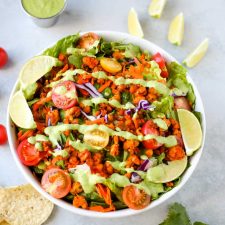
(145, 45)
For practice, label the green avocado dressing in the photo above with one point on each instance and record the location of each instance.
(54, 133)
(43, 8)
(112, 102)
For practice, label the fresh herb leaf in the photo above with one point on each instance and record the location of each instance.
(177, 215)
(199, 223)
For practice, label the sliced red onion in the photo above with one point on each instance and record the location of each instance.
(90, 89)
(145, 165)
(136, 61)
(106, 118)
(135, 178)
(49, 122)
(142, 104)
(58, 147)
(92, 118)
(128, 111)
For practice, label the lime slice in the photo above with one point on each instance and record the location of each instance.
(197, 54)
(20, 112)
(134, 26)
(167, 172)
(37, 67)
(156, 7)
(191, 130)
(176, 30)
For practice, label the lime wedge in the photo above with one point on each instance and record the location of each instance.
(167, 172)
(156, 7)
(134, 26)
(191, 130)
(197, 54)
(176, 30)
(20, 112)
(35, 68)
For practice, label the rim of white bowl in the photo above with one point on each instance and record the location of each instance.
(145, 45)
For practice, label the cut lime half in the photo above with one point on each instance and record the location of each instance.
(195, 57)
(164, 173)
(191, 130)
(35, 68)
(20, 112)
(156, 7)
(134, 26)
(176, 30)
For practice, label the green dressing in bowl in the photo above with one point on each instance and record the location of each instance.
(43, 8)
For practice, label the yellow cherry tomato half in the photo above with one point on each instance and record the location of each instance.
(110, 65)
(96, 138)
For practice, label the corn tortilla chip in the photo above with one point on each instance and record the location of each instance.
(23, 205)
(4, 223)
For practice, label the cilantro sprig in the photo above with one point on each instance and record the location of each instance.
(177, 215)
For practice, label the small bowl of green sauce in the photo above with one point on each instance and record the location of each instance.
(44, 13)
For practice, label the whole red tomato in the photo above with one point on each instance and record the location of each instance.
(3, 135)
(3, 57)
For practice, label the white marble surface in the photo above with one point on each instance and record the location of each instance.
(204, 193)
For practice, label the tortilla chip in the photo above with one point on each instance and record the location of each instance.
(2, 192)
(4, 223)
(23, 205)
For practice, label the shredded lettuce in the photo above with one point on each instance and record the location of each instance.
(179, 80)
(76, 60)
(120, 166)
(119, 180)
(62, 153)
(114, 188)
(62, 45)
(152, 73)
(130, 50)
(164, 107)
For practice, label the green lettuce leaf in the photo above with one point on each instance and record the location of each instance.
(152, 73)
(119, 180)
(115, 189)
(76, 60)
(120, 166)
(164, 107)
(179, 80)
(62, 45)
(130, 50)
(150, 188)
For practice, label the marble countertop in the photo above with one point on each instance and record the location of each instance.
(204, 193)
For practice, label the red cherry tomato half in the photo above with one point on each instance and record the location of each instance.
(3, 135)
(56, 182)
(3, 57)
(149, 128)
(162, 64)
(28, 154)
(181, 103)
(135, 198)
(87, 40)
(64, 95)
